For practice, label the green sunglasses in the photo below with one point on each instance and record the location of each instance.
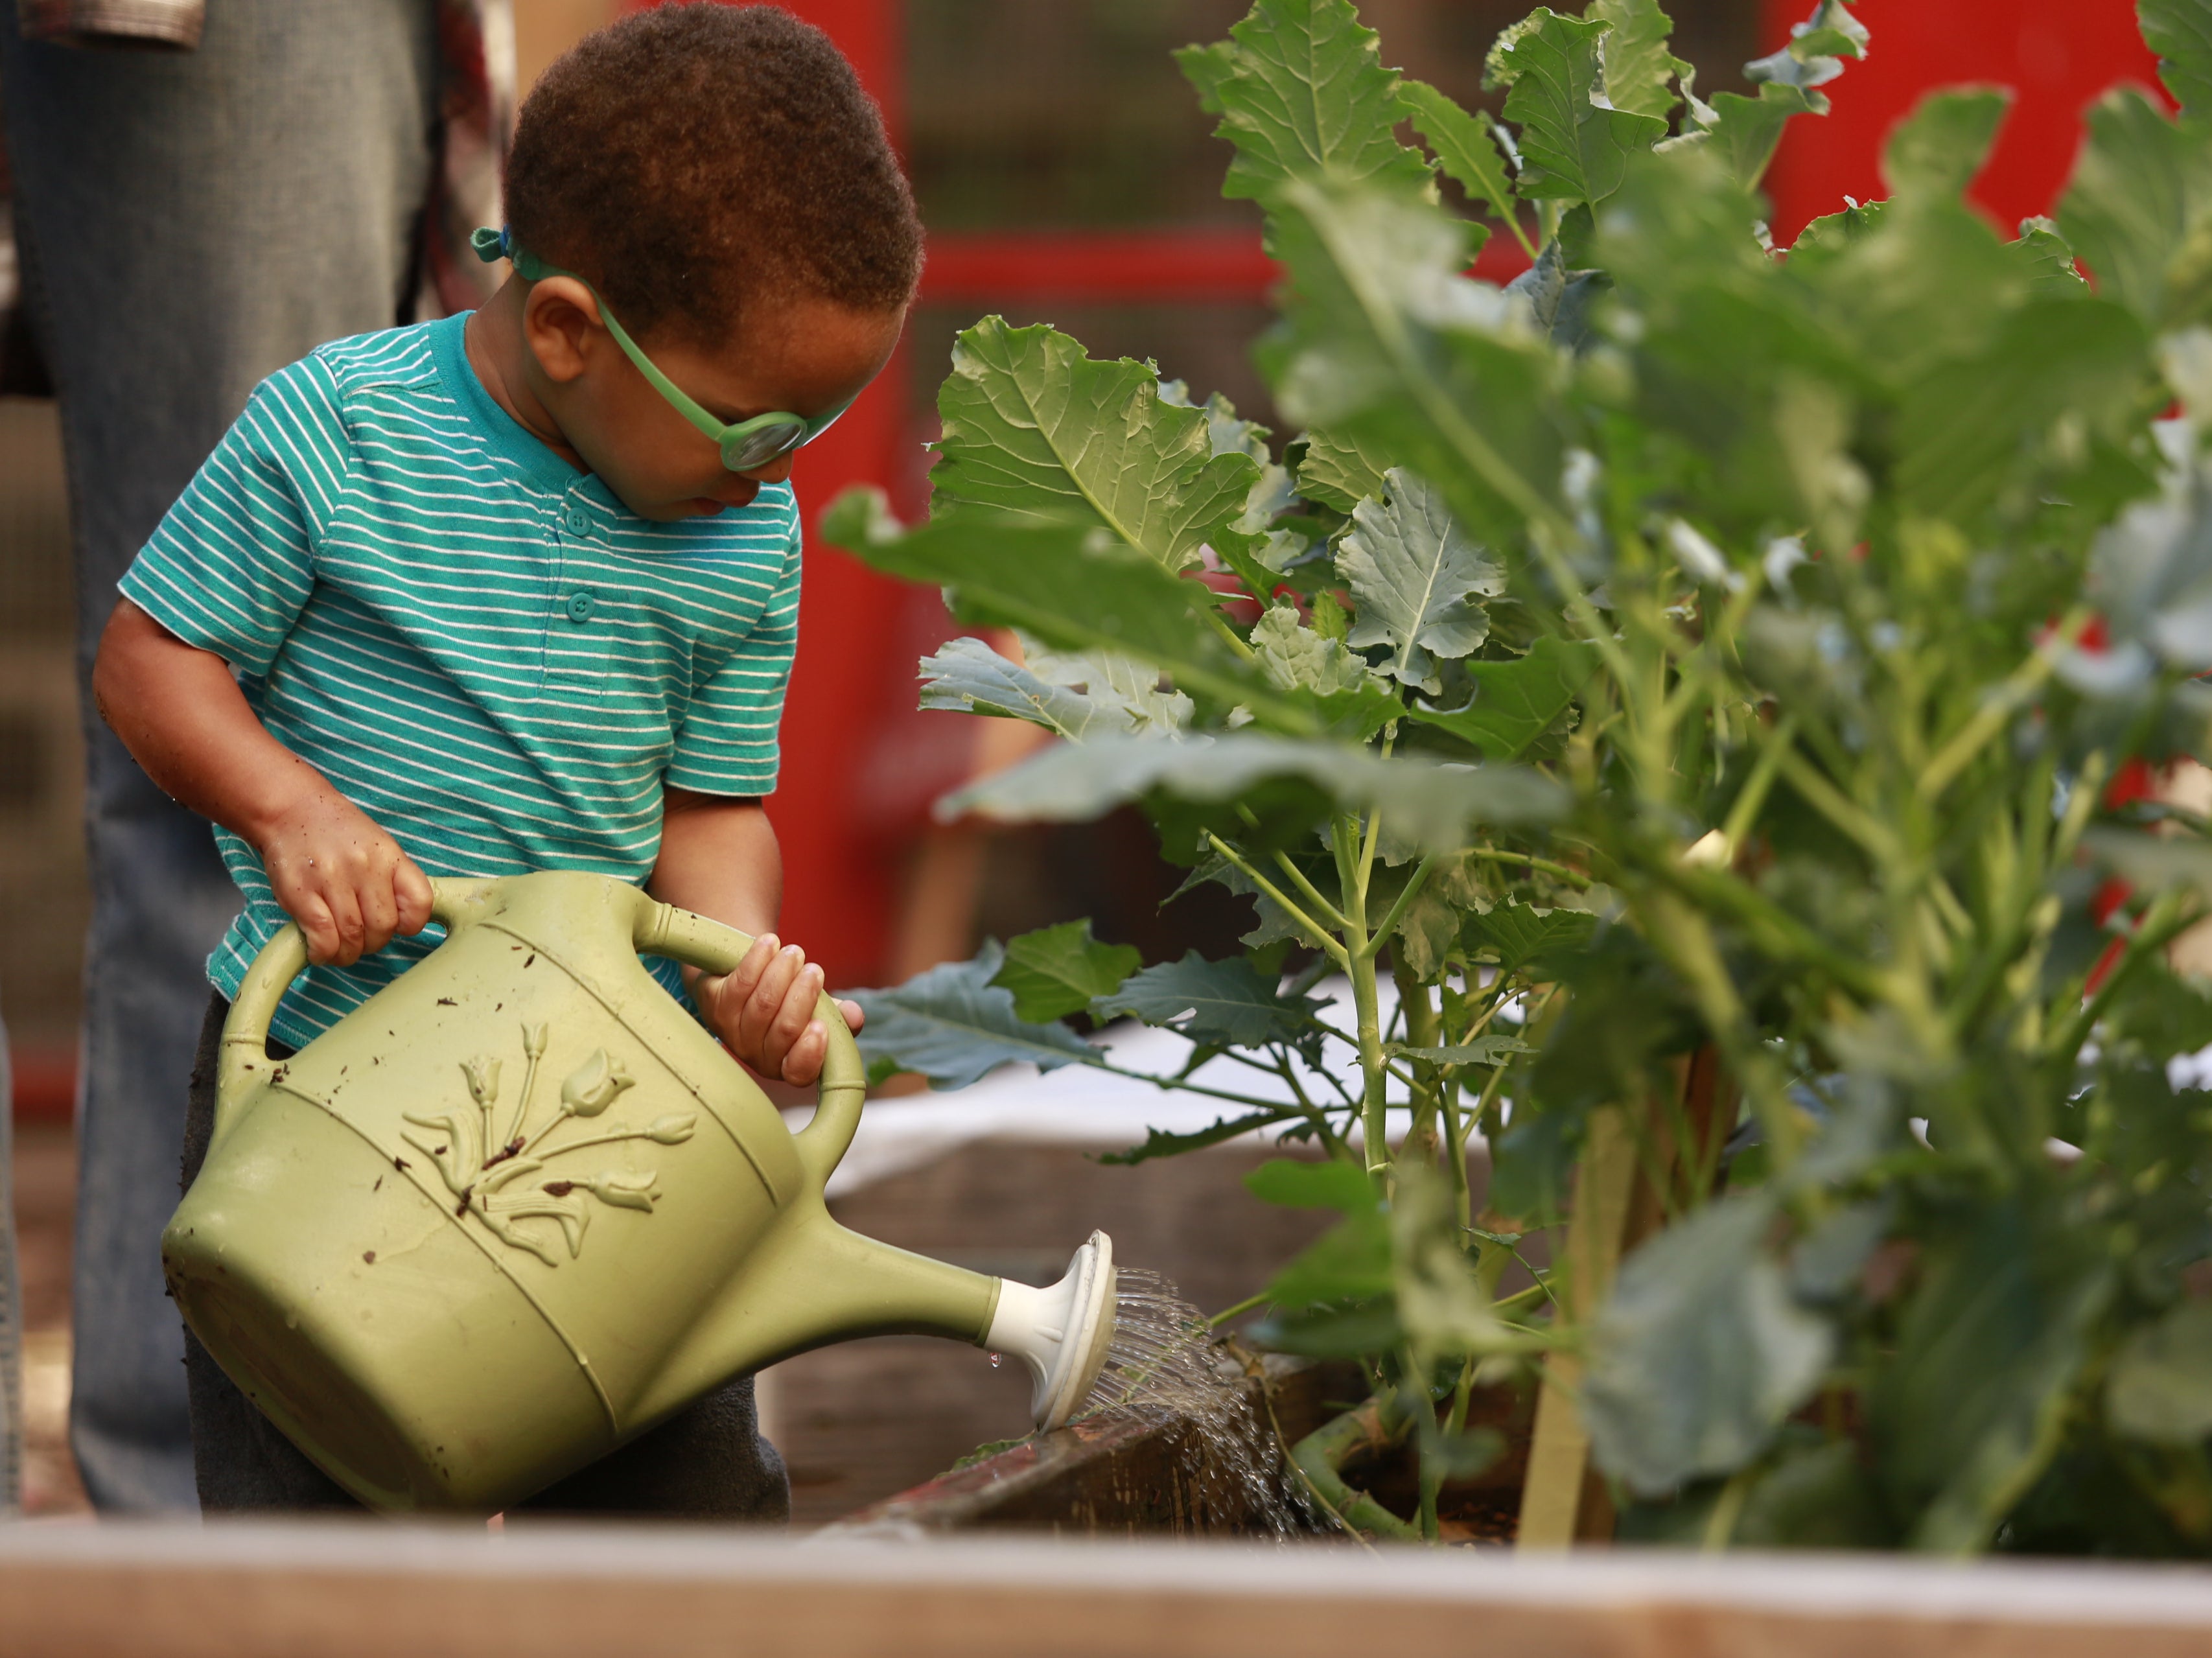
(745, 445)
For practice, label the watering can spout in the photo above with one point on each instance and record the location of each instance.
(821, 1284)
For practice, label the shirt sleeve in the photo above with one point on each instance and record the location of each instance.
(727, 743)
(230, 567)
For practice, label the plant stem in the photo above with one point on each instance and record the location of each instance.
(1179, 1085)
(1753, 798)
(1229, 634)
(1573, 878)
(1396, 914)
(1360, 965)
(1243, 1306)
(1376, 1426)
(1313, 893)
(1989, 719)
(1305, 923)
(2171, 914)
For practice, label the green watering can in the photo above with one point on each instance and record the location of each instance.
(519, 1206)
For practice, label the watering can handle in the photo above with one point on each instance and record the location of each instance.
(665, 930)
(660, 930)
(245, 1051)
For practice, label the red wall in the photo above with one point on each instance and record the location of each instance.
(2057, 55)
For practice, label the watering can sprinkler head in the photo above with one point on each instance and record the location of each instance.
(1061, 1331)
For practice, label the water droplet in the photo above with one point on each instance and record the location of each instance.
(997, 1360)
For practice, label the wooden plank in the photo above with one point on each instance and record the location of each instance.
(346, 1588)
(1558, 1506)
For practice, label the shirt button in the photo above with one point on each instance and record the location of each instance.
(577, 521)
(580, 606)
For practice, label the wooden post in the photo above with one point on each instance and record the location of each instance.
(1553, 1502)
(1615, 1205)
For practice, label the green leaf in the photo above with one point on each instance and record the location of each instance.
(1229, 1002)
(1272, 492)
(1416, 578)
(1034, 429)
(1973, 1403)
(2139, 209)
(1490, 1050)
(1530, 940)
(1746, 131)
(954, 1024)
(2180, 33)
(1390, 347)
(2049, 257)
(1058, 970)
(1296, 658)
(1516, 702)
(1429, 805)
(1574, 146)
(2153, 863)
(1816, 1497)
(1828, 236)
(1340, 472)
(1306, 1183)
(1159, 1143)
(1816, 49)
(1349, 1262)
(1465, 146)
(1431, 928)
(1440, 1304)
(1065, 584)
(966, 675)
(1301, 92)
(1125, 691)
(1639, 67)
(1558, 298)
(2159, 1388)
(1967, 426)
(1937, 150)
(1699, 1353)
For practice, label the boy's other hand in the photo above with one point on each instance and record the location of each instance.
(765, 1010)
(342, 879)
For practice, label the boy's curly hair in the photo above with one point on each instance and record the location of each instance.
(690, 158)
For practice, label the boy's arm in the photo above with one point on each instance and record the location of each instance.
(182, 716)
(718, 857)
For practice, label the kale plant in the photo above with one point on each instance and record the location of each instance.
(1715, 681)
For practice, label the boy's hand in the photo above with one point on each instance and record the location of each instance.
(341, 878)
(765, 1010)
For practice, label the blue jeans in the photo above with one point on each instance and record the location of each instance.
(11, 1305)
(190, 221)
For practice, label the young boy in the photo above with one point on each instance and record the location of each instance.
(518, 590)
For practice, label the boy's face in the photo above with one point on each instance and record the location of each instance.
(802, 355)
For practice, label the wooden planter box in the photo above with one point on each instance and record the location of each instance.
(367, 1588)
(1122, 1477)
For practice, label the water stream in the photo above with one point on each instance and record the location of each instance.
(1165, 1369)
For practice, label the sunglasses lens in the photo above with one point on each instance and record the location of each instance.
(758, 448)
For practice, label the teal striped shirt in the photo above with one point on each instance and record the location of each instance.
(479, 645)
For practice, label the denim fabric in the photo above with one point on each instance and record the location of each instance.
(190, 223)
(12, 1304)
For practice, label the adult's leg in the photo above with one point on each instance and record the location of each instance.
(12, 1306)
(192, 222)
